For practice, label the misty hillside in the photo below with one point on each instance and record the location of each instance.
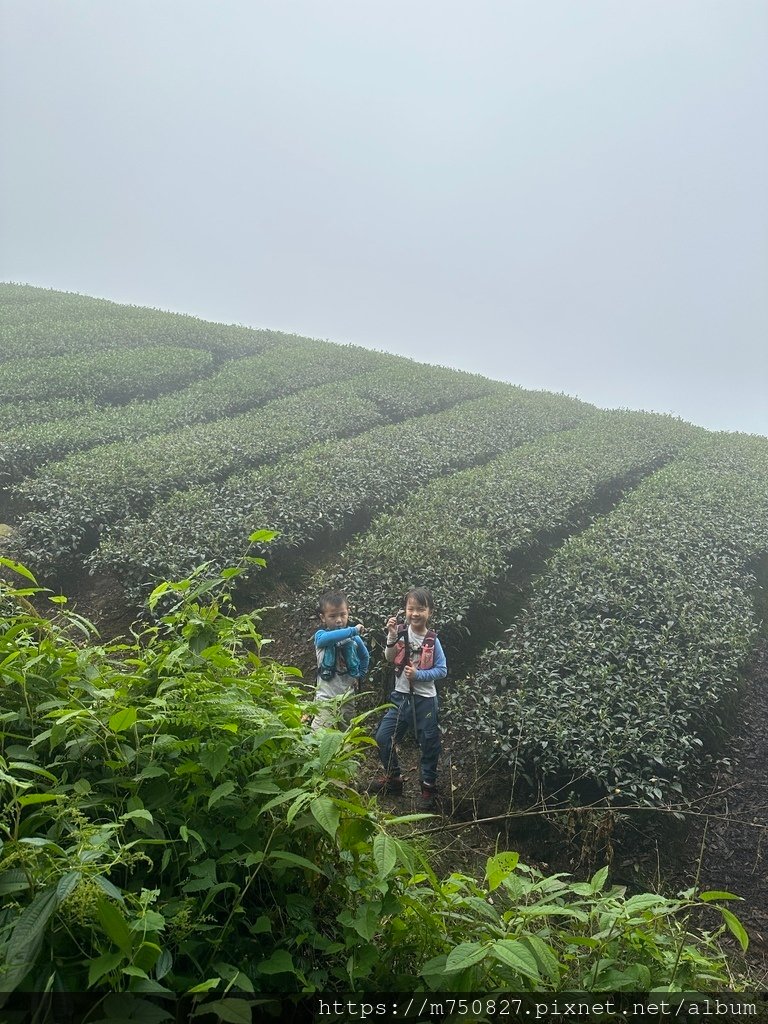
(600, 563)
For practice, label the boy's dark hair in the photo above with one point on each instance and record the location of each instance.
(421, 596)
(330, 599)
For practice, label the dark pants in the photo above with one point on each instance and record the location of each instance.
(398, 720)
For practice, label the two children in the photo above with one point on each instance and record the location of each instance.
(418, 659)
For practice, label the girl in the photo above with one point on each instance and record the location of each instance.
(419, 660)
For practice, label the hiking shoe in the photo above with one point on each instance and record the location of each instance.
(427, 798)
(390, 785)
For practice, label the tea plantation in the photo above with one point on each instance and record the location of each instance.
(136, 445)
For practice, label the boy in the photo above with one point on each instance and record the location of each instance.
(342, 659)
(418, 658)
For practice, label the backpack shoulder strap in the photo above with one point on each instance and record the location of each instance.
(402, 649)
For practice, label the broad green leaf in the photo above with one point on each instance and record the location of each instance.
(326, 814)
(13, 880)
(266, 788)
(235, 975)
(384, 853)
(103, 965)
(114, 925)
(204, 986)
(638, 977)
(220, 792)
(465, 955)
(598, 880)
(35, 769)
(213, 757)
(27, 938)
(164, 963)
(123, 720)
(545, 957)
(39, 798)
(17, 567)
(157, 593)
(518, 956)
(301, 801)
(288, 794)
(67, 884)
(147, 954)
(735, 927)
(498, 867)
(643, 901)
(280, 962)
(366, 921)
(329, 745)
(262, 536)
(717, 894)
(293, 858)
(139, 814)
(553, 910)
(232, 1011)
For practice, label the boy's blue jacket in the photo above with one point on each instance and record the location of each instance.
(328, 638)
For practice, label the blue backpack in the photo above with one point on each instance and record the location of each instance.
(340, 658)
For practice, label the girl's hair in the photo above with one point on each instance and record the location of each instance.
(421, 596)
(330, 599)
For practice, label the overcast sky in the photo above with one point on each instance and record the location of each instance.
(565, 194)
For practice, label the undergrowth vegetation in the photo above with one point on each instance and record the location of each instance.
(169, 825)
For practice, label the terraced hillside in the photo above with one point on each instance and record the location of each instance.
(595, 570)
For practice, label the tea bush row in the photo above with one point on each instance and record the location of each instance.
(236, 386)
(169, 825)
(57, 324)
(30, 412)
(106, 377)
(328, 489)
(25, 301)
(458, 533)
(73, 500)
(631, 648)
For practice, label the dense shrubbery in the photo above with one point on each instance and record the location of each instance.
(631, 647)
(104, 376)
(236, 386)
(52, 323)
(169, 825)
(21, 414)
(79, 496)
(460, 531)
(329, 489)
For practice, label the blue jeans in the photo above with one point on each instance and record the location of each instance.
(398, 720)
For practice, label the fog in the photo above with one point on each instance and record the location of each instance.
(565, 194)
